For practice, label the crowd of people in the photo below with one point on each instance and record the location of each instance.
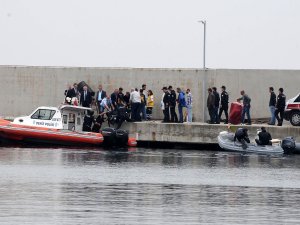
(131, 106)
(216, 105)
(170, 99)
(140, 103)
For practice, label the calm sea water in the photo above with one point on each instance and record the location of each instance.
(147, 186)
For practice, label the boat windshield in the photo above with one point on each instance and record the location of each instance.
(43, 114)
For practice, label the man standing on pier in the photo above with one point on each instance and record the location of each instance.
(217, 104)
(246, 107)
(166, 105)
(172, 105)
(280, 107)
(211, 105)
(135, 100)
(272, 105)
(189, 105)
(85, 97)
(224, 104)
(99, 97)
(181, 103)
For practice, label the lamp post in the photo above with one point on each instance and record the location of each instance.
(204, 40)
(204, 75)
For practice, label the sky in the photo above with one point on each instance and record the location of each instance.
(240, 34)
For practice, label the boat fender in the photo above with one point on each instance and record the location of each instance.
(132, 142)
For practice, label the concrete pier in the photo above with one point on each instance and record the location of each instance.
(198, 133)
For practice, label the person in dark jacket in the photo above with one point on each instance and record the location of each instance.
(88, 121)
(174, 117)
(143, 104)
(246, 107)
(120, 97)
(122, 115)
(224, 104)
(280, 106)
(166, 105)
(211, 105)
(98, 123)
(241, 135)
(217, 105)
(114, 97)
(264, 137)
(85, 97)
(272, 106)
(69, 93)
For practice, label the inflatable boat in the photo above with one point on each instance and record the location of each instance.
(287, 145)
(57, 126)
(225, 141)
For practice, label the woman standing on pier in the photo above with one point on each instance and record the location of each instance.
(150, 104)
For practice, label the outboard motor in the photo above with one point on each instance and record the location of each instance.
(114, 138)
(109, 135)
(288, 144)
(121, 138)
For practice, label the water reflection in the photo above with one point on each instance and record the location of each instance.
(147, 186)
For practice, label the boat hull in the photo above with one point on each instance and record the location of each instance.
(29, 134)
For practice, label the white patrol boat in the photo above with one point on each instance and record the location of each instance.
(50, 125)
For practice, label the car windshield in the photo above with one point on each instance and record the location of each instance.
(297, 99)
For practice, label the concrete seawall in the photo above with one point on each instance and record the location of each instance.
(22, 88)
(197, 133)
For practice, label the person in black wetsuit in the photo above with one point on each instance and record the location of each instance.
(98, 123)
(264, 137)
(122, 115)
(88, 121)
(242, 136)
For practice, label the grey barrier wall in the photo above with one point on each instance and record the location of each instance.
(25, 88)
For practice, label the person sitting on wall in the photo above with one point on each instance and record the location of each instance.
(242, 136)
(88, 121)
(264, 137)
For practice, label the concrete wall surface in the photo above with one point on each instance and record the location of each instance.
(25, 88)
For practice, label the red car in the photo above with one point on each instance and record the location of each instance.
(292, 110)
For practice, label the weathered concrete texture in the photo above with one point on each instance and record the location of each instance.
(22, 89)
(197, 133)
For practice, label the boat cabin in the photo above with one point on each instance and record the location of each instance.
(72, 116)
(67, 117)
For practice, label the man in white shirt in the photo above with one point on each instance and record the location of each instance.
(189, 105)
(101, 94)
(107, 104)
(135, 100)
